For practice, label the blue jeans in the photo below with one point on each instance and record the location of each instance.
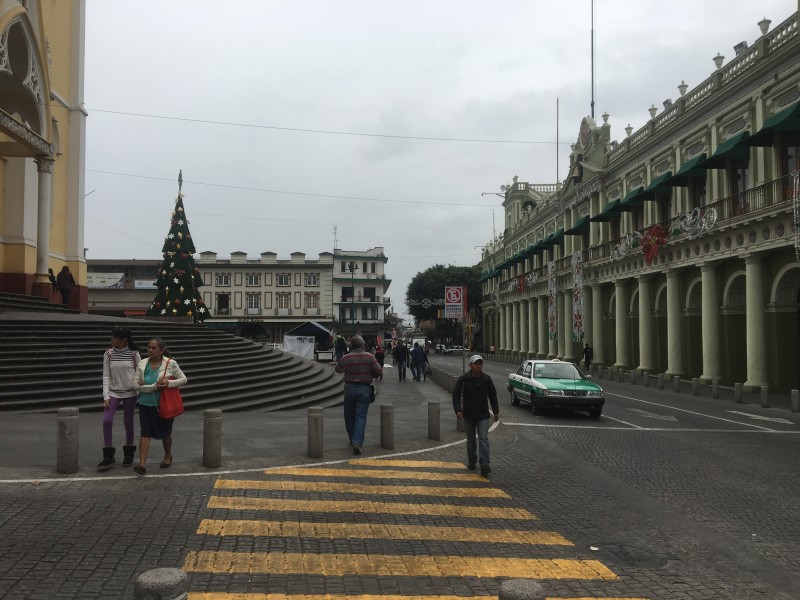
(482, 429)
(401, 369)
(356, 407)
(414, 372)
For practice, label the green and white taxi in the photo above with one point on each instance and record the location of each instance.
(553, 383)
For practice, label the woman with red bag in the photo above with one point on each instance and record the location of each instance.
(153, 375)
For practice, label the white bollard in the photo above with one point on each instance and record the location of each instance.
(387, 426)
(315, 431)
(764, 396)
(434, 421)
(67, 442)
(212, 438)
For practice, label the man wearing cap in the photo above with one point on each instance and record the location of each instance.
(471, 397)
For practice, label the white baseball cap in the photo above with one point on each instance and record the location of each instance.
(475, 358)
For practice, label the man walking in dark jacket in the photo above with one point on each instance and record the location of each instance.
(400, 359)
(471, 397)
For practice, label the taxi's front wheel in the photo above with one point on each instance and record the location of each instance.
(514, 399)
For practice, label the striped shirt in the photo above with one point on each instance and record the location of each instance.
(359, 367)
(119, 367)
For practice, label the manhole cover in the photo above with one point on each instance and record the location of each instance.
(629, 555)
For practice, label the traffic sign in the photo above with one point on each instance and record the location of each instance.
(454, 301)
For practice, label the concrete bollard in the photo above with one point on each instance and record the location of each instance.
(737, 393)
(795, 395)
(600, 372)
(315, 431)
(621, 373)
(521, 589)
(764, 396)
(610, 374)
(660, 381)
(161, 584)
(434, 421)
(212, 438)
(387, 426)
(695, 386)
(646, 378)
(633, 376)
(67, 443)
(715, 388)
(676, 383)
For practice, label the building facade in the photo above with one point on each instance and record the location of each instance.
(675, 250)
(42, 145)
(360, 284)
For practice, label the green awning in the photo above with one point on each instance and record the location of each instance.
(579, 227)
(631, 199)
(786, 120)
(553, 239)
(607, 212)
(691, 169)
(734, 148)
(659, 182)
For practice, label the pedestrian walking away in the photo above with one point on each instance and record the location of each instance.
(588, 354)
(380, 356)
(53, 282)
(66, 283)
(359, 368)
(119, 372)
(400, 359)
(472, 394)
(153, 375)
(418, 360)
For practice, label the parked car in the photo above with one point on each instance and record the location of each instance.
(552, 383)
(439, 349)
(455, 350)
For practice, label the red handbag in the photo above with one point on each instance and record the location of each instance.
(170, 403)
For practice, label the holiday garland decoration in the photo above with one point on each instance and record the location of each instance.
(178, 278)
(552, 311)
(796, 206)
(577, 297)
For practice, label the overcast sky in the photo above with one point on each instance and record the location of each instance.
(222, 90)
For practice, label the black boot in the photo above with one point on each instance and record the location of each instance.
(108, 458)
(129, 451)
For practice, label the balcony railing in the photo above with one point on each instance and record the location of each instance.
(362, 298)
(252, 311)
(311, 311)
(283, 312)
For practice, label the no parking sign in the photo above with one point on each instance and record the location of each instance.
(455, 299)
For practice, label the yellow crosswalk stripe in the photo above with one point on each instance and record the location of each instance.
(420, 464)
(340, 565)
(378, 531)
(356, 488)
(365, 506)
(373, 474)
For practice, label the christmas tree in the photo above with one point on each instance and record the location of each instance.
(178, 278)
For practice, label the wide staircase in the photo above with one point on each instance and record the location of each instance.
(48, 363)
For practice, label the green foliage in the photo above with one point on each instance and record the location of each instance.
(430, 284)
(178, 278)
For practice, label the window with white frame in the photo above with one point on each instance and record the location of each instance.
(284, 299)
(312, 279)
(253, 301)
(223, 279)
(283, 280)
(253, 279)
(312, 299)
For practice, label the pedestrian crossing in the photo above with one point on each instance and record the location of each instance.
(389, 524)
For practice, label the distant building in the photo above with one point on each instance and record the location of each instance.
(261, 298)
(675, 249)
(42, 146)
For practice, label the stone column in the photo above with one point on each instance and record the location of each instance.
(588, 316)
(754, 300)
(597, 324)
(569, 345)
(515, 326)
(523, 328)
(645, 325)
(509, 325)
(621, 325)
(710, 324)
(532, 333)
(561, 328)
(542, 326)
(674, 324)
(42, 286)
(501, 333)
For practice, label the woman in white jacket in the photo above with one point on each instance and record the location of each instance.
(153, 375)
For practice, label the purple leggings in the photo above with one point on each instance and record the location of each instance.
(129, 404)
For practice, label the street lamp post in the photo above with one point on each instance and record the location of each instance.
(353, 268)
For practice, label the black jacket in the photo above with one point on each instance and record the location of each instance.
(472, 396)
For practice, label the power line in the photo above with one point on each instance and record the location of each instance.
(323, 131)
(256, 189)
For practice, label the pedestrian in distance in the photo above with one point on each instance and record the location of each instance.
(66, 283)
(53, 282)
(400, 360)
(380, 356)
(418, 360)
(340, 346)
(359, 368)
(472, 394)
(119, 372)
(159, 371)
(588, 354)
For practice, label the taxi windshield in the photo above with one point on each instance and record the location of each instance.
(556, 371)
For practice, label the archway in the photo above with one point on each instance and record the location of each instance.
(784, 303)
(733, 325)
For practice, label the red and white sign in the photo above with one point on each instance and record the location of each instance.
(455, 300)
